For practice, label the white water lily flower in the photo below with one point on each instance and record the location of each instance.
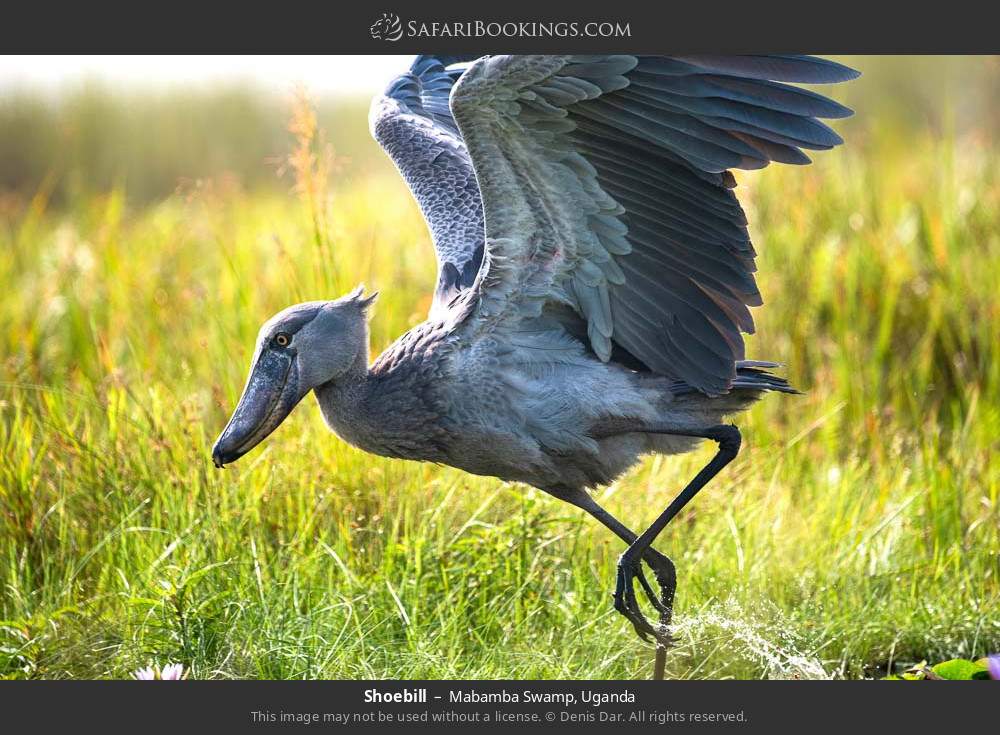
(170, 672)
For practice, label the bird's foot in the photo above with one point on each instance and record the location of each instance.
(629, 570)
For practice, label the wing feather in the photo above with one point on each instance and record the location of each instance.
(606, 188)
(412, 121)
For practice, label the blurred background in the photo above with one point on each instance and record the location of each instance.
(150, 125)
(83, 125)
(154, 211)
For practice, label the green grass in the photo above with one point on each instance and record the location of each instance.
(857, 533)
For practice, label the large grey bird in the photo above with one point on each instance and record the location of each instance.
(595, 274)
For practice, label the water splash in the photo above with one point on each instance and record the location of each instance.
(761, 635)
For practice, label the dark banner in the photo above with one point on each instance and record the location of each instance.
(461, 27)
(552, 706)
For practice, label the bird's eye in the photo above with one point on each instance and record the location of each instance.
(282, 340)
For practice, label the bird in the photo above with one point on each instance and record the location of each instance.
(595, 278)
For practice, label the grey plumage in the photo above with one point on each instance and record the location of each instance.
(595, 272)
(412, 122)
(632, 154)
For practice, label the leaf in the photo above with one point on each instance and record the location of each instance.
(958, 669)
(983, 669)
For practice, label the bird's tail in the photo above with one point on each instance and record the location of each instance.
(754, 375)
(751, 375)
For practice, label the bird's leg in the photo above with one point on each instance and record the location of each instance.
(640, 547)
(662, 566)
(728, 438)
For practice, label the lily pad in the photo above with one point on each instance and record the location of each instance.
(958, 669)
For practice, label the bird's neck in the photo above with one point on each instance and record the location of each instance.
(355, 409)
(345, 405)
(389, 409)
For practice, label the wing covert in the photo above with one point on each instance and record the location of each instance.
(413, 124)
(606, 188)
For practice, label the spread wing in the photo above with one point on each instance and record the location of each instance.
(606, 190)
(412, 122)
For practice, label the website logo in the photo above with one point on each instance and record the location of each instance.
(387, 28)
(390, 28)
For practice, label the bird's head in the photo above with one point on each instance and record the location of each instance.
(298, 349)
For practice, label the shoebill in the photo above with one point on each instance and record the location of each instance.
(595, 276)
